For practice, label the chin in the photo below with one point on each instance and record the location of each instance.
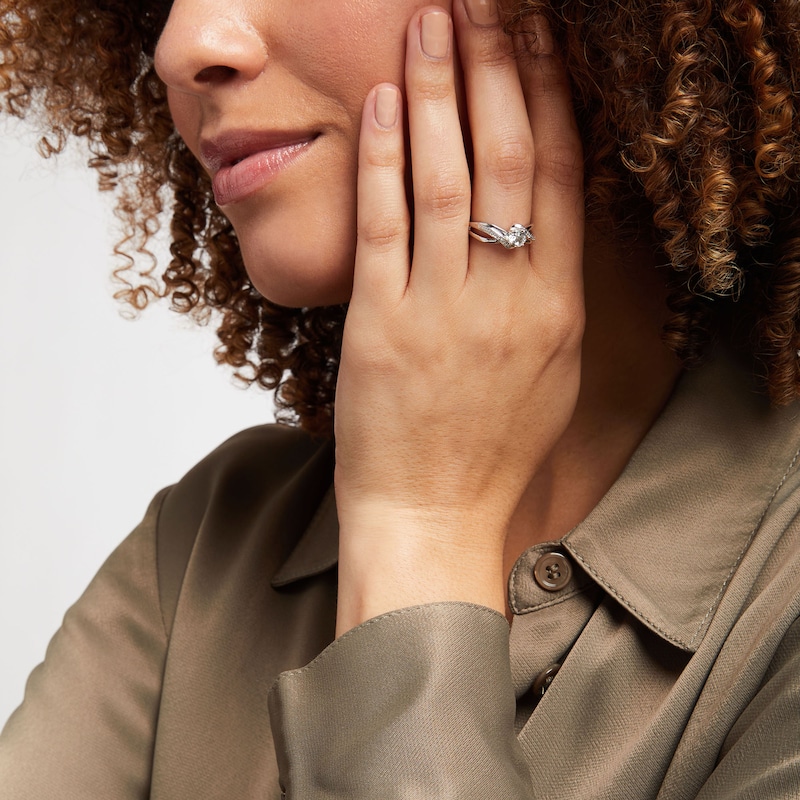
(301, 280)
(293, 263)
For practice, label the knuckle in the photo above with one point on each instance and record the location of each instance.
(547, 76)
(444, 199)
(565, 320)
(430, 89)
(368, 357)
(561, 164)
(511, 161)
(382, 159)
(491, 52)
(384, 232)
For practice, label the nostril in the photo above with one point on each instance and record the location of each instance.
(201, 49)
(215, 74)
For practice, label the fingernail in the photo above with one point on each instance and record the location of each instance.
(386, 106)
(482, 12)
(544, 37)
(435, 34)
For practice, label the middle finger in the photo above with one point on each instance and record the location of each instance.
(440, 173)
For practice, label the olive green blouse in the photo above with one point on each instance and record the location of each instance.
(654, 651)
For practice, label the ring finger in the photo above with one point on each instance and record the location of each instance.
(499, 125)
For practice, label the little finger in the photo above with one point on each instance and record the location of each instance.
(557, 210)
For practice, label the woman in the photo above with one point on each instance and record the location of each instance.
(506, 410)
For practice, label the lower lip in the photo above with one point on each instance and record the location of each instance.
(239, 181)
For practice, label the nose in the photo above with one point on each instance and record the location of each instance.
(206, 43)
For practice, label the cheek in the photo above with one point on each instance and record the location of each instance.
(298, 241)
(352, 45)
(346, 72)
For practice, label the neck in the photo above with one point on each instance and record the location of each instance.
(627, 378)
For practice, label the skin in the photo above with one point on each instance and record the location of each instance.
(249, 64)
(487, 399)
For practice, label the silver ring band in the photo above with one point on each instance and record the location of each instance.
(516, 236)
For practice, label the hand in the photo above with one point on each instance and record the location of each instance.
(460, 366)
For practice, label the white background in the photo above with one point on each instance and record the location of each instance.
(96, 412)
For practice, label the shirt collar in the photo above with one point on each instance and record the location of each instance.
(669, 534)
(317, 550)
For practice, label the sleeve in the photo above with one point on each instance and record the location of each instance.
(414, 703)
(86, 727)
(761, 756)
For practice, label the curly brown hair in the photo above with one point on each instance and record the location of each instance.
(691, 114)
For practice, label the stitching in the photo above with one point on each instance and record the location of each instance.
(380, 618)
(746, 547)
(549, 603)
(625, 602)
(650, 622)
(513, 576)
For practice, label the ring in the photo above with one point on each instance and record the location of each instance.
(516, 236)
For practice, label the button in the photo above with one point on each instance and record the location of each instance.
(544, 679)
(552, 571)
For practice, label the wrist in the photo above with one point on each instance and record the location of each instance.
(394, 562)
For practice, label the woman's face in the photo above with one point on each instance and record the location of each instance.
(268, 95)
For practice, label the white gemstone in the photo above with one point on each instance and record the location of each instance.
(517, 236)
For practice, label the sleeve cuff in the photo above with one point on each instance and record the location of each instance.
(414, 703)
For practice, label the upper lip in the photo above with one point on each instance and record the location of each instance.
(232, 146)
